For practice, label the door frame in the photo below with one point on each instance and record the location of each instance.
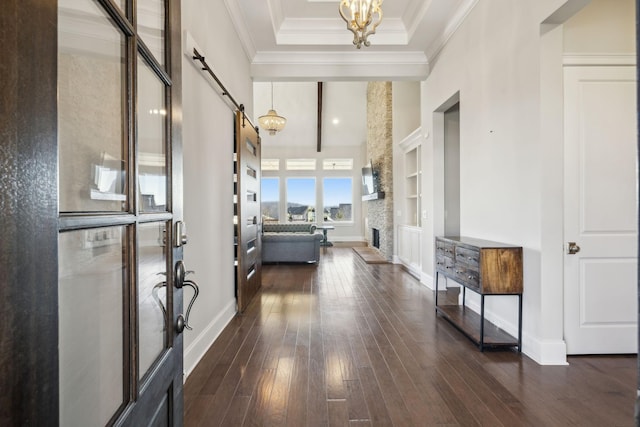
(28, 196)
(29, 372)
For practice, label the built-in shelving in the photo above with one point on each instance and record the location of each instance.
(411, 146)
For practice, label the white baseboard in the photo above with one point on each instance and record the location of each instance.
(426, 280)
(340, 239)
(414, 270)
(543, 352)
(201, 344)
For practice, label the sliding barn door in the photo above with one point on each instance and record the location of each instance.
(247, 205)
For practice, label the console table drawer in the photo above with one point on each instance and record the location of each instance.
(445, 249)
(444, 263)
(469, 276)
(467, 256)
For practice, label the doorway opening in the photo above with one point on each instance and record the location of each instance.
(452, 171)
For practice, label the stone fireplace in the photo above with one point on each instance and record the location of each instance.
(380, 152)
(375, 238)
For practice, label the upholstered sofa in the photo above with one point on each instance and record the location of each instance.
(290, 242)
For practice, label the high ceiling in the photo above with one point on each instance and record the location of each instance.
(344, 113)
(296, 43)
(308, 40)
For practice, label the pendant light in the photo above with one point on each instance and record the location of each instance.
(271, 121)
(359, 15)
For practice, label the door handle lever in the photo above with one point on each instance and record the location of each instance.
(196, 292)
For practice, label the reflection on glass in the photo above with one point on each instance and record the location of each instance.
(152, 294)
(152, 116)
(91, 109)
(90, 291)
(151, 26)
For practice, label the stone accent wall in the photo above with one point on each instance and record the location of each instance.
(380, 152)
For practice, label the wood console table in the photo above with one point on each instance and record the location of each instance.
(487, 268)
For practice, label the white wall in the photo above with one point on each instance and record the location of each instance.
(208, 169)
(509, 79)
(495, 70)
(615, 24)
(406, 108)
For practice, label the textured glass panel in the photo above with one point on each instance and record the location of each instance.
(91, 109)
(151, 26)
(152, 116)
(152, 294)
(91, 301)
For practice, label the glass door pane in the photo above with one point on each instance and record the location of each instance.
(152, 294)
(151, 26)
(152, 116)
(91, 109)
(91, 292)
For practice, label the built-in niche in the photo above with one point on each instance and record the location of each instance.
(452, 171)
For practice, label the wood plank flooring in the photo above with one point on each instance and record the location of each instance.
(347, 343)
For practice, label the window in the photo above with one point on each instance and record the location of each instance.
(270, 199)
(337, 164)
(301, 164)
(270, 164)
(338, 199)
(301, 199)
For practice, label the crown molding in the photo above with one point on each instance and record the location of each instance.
(416, 10)
(238, 21)
(360, 57)
(324, 32)
(277, 16)
(362, 65)
(434, 49)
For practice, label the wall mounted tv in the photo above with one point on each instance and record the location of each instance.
(370, 183)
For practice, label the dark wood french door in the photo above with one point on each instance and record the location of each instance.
(91, 195)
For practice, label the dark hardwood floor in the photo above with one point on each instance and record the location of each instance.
(346, 343)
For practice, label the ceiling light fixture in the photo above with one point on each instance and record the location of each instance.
(362, 13)
(271, 121)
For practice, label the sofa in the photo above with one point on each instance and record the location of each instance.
(290, 242)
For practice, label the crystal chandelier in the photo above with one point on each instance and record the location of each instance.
(271, 121)
(362, 14)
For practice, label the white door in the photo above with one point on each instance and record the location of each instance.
(600, 210)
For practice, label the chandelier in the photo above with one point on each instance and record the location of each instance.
(362, 13)
(271, 121)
